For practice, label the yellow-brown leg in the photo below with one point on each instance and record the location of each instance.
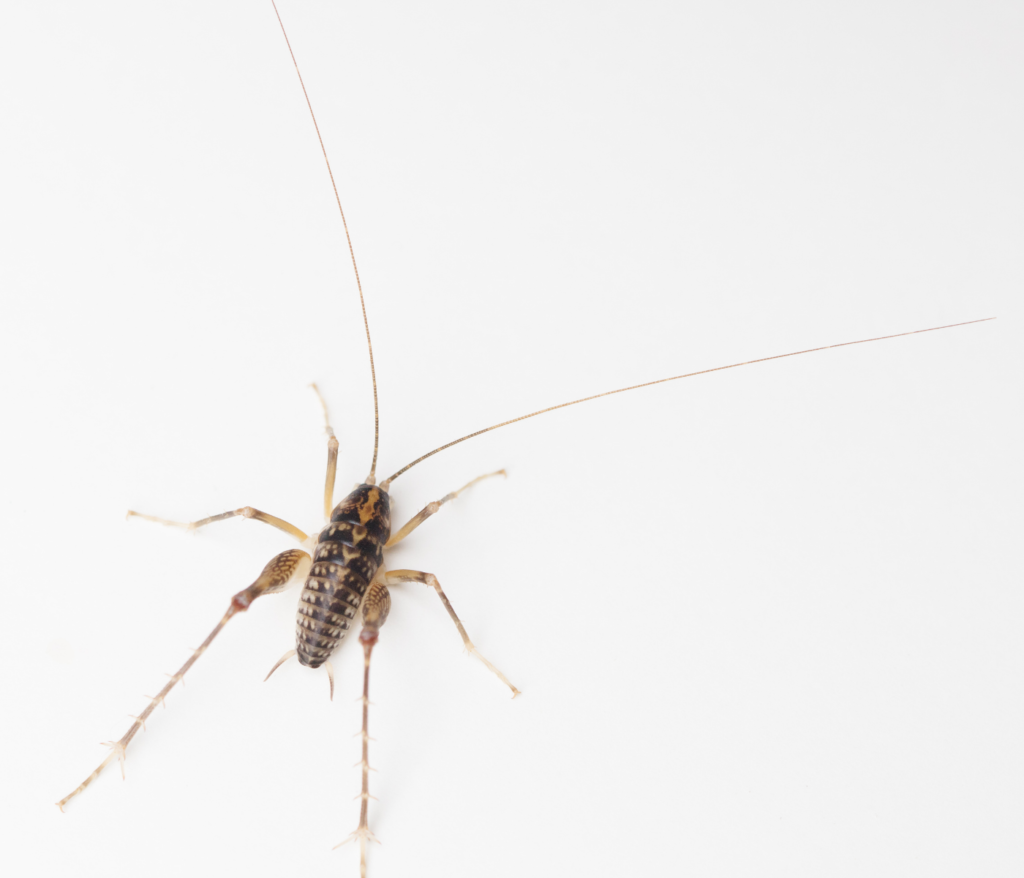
(395, 576)
(431, 508)
(282, 569)
(244, 512)
(332, 457)
(272, 520)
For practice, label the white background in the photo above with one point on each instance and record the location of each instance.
(765, 622)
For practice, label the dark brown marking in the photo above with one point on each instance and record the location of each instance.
(348, 553)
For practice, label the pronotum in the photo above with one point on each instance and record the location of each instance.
(619, 713)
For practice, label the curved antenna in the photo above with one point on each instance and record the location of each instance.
(387, 482)
(366, 323)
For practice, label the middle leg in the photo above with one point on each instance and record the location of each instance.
(394, 576)
(272, 520)
(244, 512)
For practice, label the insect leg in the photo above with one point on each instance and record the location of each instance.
(332, 456)
(272, 520)
(394, 576)
(245, 512)
(433, 507)
(375, 613)
(281, 570)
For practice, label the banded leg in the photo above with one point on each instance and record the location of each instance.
(282, 569)
(245, 512)
(332, 457)
(394, 576)
(375, 612)
(433, 507)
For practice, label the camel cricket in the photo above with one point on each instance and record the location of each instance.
(342, 565)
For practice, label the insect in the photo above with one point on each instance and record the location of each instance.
(508, 650)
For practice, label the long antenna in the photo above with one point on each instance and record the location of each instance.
(373, 374)
(387, 482)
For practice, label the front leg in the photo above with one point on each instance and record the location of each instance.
(332, 457)
(433, 507)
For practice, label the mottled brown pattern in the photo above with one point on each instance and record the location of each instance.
(376, 606)
(348, 552)
(274, 578)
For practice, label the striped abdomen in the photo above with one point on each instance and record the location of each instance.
(348, 552)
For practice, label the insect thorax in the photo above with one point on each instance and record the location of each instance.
(348, 552)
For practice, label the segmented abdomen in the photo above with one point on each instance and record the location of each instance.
(348, 552)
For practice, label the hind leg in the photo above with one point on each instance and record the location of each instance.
(279, 572)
